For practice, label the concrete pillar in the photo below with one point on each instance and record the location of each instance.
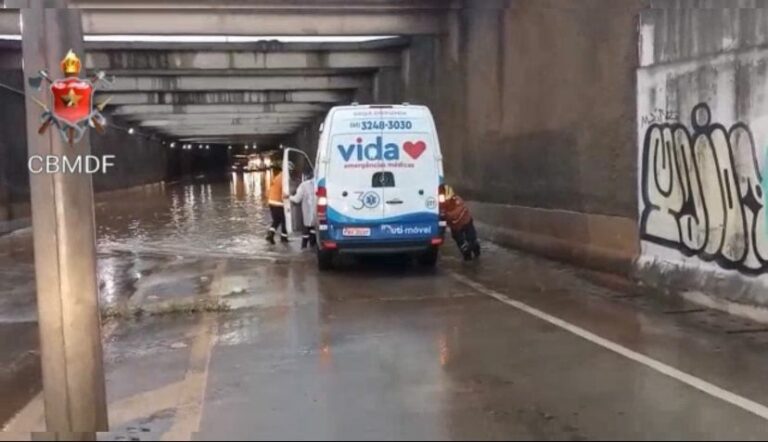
(405, 70)
(5, 191)
(64, 244)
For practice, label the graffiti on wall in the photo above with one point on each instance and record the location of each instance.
(660, 116)
(703, 192)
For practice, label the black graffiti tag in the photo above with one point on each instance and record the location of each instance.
(659, 116)
(702, 192)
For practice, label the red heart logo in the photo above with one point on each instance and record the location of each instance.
(414, 150)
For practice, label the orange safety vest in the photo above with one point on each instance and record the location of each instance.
(456, 213)
(276, 190)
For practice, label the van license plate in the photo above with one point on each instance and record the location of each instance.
(356, 231)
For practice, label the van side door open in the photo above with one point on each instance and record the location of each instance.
(302, 169)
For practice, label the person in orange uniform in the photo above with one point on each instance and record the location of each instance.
(276, 210)
(462, 226)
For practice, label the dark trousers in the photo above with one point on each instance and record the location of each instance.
(466, 238)
(308, 237)
(278, 220)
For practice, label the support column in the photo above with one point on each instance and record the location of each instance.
(64, 244)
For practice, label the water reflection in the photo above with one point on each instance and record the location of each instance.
(225, 214)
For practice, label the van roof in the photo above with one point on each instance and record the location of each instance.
(379, 106)
(411, 110)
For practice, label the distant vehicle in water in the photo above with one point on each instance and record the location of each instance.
(255, 163)
(379, 183)
(239, 163)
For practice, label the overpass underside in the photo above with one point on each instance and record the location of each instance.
(262, 92)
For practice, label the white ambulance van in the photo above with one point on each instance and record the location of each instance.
(379, 181)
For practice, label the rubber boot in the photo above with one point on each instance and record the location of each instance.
(466, 251)
(271, 237)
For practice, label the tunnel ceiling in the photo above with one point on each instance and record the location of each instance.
(243, 92)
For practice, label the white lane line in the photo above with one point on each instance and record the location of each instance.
(699, 384)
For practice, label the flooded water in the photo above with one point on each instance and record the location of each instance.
(155, 241)
(222, 214)
(152, 243)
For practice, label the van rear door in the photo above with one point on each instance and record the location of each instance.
(354, 203)
(410, 196)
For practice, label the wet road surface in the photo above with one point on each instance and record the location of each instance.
(381, 349)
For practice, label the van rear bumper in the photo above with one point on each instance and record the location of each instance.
(382, 247)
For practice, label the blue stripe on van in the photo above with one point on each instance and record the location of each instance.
(419, 217)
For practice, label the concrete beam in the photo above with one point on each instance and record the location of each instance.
(379, 44)
(255, 22)
(194, 83)
(386, 44)
(237, 141)
(229, 139)
(256, 121)
(250, 22)
(218, 116)
(266, 5)
(226, 129)
(217, 108)
(189, 132)
(238, 72)
(233, 60)
(231, 97)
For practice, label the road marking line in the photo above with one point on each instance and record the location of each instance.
(28, 419)
(189, 412)
(143, 405)
(697, 383)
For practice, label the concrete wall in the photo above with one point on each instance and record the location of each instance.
(14, 183)
(702, 117)
(138, 160)
(535, 104)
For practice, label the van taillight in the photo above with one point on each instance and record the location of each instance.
(322, 204)
(441, 199)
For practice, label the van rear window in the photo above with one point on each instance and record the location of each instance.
(383, 179)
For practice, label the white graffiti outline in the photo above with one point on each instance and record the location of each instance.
(703, 192)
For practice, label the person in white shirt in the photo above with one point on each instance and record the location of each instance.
(305, 195)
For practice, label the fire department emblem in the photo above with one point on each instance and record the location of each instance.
(73, 109)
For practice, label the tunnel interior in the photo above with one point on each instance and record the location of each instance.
(530, 130)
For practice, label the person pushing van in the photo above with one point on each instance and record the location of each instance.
(305, 195)
(462, 225)
(276, 209)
